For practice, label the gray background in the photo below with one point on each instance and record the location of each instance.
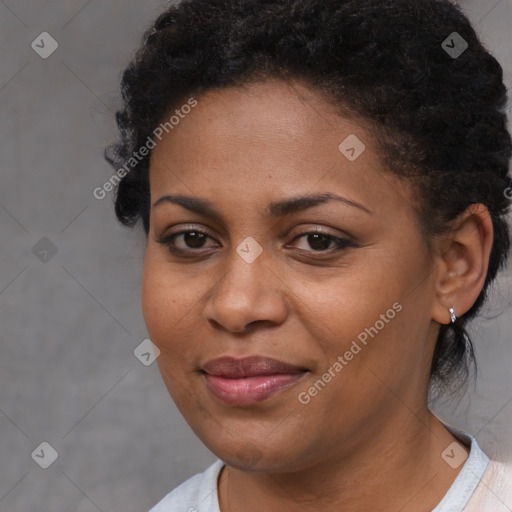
(69, 326)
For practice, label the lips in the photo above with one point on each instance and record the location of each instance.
(254, 366)
(249, 380)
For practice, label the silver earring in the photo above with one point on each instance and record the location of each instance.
(453, 317)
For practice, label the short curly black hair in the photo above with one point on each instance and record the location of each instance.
(438, 116)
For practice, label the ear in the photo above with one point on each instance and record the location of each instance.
(461, 263)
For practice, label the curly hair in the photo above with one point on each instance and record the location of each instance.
(438, 120)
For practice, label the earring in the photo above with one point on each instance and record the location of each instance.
(453, 317)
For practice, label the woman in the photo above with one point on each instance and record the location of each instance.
(323, 187)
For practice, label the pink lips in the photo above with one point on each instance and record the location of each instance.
(249, 380)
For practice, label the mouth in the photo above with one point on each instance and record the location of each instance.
(250, 380)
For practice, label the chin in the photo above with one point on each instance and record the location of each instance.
(257, 456)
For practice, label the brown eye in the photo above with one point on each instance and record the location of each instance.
(319, 242)
(322, 242)
(185, 241)
(194, 239)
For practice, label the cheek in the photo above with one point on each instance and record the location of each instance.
(339, 306)
(367, 315)
(153, 298)
(165, 305)
(171, 305)
(164, 297)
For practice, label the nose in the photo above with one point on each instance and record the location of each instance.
(247, 294)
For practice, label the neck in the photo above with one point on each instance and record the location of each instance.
(402, 463)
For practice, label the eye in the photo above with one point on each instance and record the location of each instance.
(322, 242)
(185, 240)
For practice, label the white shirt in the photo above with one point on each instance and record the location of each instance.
(480, 486)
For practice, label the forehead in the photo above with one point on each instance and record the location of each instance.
(272, 138)
(272, 111)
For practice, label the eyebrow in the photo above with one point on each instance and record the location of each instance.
(274, 209)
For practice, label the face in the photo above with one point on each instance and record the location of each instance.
(321, 306)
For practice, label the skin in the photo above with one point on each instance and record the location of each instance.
(368, 434)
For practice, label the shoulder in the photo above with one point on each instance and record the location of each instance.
(482, 485)
(197, 494)
(494, 492)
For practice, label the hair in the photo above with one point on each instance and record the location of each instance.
(438, 120)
